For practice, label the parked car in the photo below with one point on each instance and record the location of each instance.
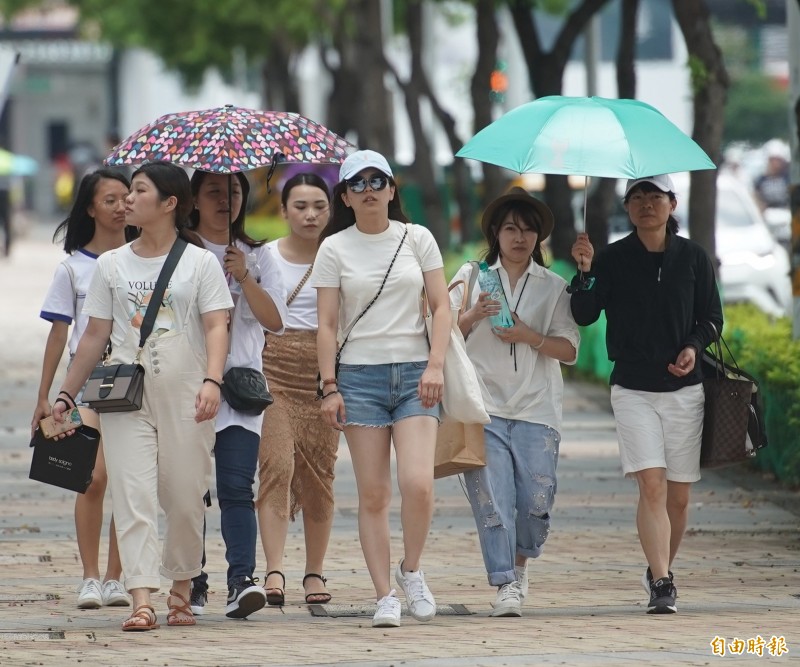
(754, 267)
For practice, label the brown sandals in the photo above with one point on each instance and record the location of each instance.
(179, 614)
(316, 598)
(145, 613)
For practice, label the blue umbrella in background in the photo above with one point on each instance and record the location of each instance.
(12, 164)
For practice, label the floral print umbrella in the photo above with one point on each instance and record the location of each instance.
(230, 139)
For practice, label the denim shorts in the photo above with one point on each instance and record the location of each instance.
(382, 394)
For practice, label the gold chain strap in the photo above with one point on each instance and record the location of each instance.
(302, 282)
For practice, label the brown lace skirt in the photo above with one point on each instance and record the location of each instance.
(297, 454)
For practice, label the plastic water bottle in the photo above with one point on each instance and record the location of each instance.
(252, 266)
(490, 282)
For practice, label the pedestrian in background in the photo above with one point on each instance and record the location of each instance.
(663, 309)
(95, 224)
(160, 454)
(520, 368)
(298, 449)
(259, 295)
(389, 385)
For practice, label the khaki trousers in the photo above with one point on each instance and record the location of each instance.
(159, 456)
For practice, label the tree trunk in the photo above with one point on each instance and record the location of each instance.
(546, 73)
(373, 107)
(280, 87)
(422, 171)
(602, 198)
(710, 83)
(488, 37)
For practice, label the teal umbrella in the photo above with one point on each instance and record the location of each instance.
(586, 136)
(12, 164)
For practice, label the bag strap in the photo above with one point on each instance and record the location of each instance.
(375, 298)
(302, 282)
(164, 275)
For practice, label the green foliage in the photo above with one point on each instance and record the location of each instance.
(698, 73)
(757, 109)
(193, 35)
(764, 347)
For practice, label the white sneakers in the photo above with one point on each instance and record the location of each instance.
(90, 594)
(522, 578)
(419, 598)
(114, 594)
(93, 595)
(509, 600)
(388, 612)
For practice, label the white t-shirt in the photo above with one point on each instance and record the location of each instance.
(392, 331)
(65, 298)
(303, 309)
(247, 334)
(123, 284)
(534, 392)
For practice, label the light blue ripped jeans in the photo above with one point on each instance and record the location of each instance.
(512, 496)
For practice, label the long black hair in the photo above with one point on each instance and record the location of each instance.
(77, 229)
(523, 214)
(342, 216)
(237, 225)
(304, 178)
(171, 181)
(645, 187)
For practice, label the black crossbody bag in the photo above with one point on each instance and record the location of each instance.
(119, 387)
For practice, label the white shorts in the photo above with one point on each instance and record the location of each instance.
(660, 430)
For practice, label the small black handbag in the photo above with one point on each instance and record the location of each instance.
(245, 390)
(67, 463)
(120, 387)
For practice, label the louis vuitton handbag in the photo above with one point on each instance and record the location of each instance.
(120, 387)
(733, 427)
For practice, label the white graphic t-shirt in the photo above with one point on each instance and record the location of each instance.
(65, 298)
(123, 284)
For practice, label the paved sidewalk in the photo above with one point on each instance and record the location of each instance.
(738, 572)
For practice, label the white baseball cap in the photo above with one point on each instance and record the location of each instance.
(663, 182)
(360, 160)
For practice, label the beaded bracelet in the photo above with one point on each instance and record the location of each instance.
(212, 380)
(244, 277)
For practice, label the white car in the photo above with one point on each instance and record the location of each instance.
(754, 266)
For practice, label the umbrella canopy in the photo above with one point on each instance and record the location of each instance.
(587, 136)
(17, 165)
(230, 139)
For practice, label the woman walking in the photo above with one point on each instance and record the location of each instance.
(389, 385)
(520, 365)
(160, 454)
(663, 309)
(298, 449)
(95, 224)
(257, 290)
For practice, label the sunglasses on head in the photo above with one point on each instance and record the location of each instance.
(377, 182)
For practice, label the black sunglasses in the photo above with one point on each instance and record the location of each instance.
(377, 183)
